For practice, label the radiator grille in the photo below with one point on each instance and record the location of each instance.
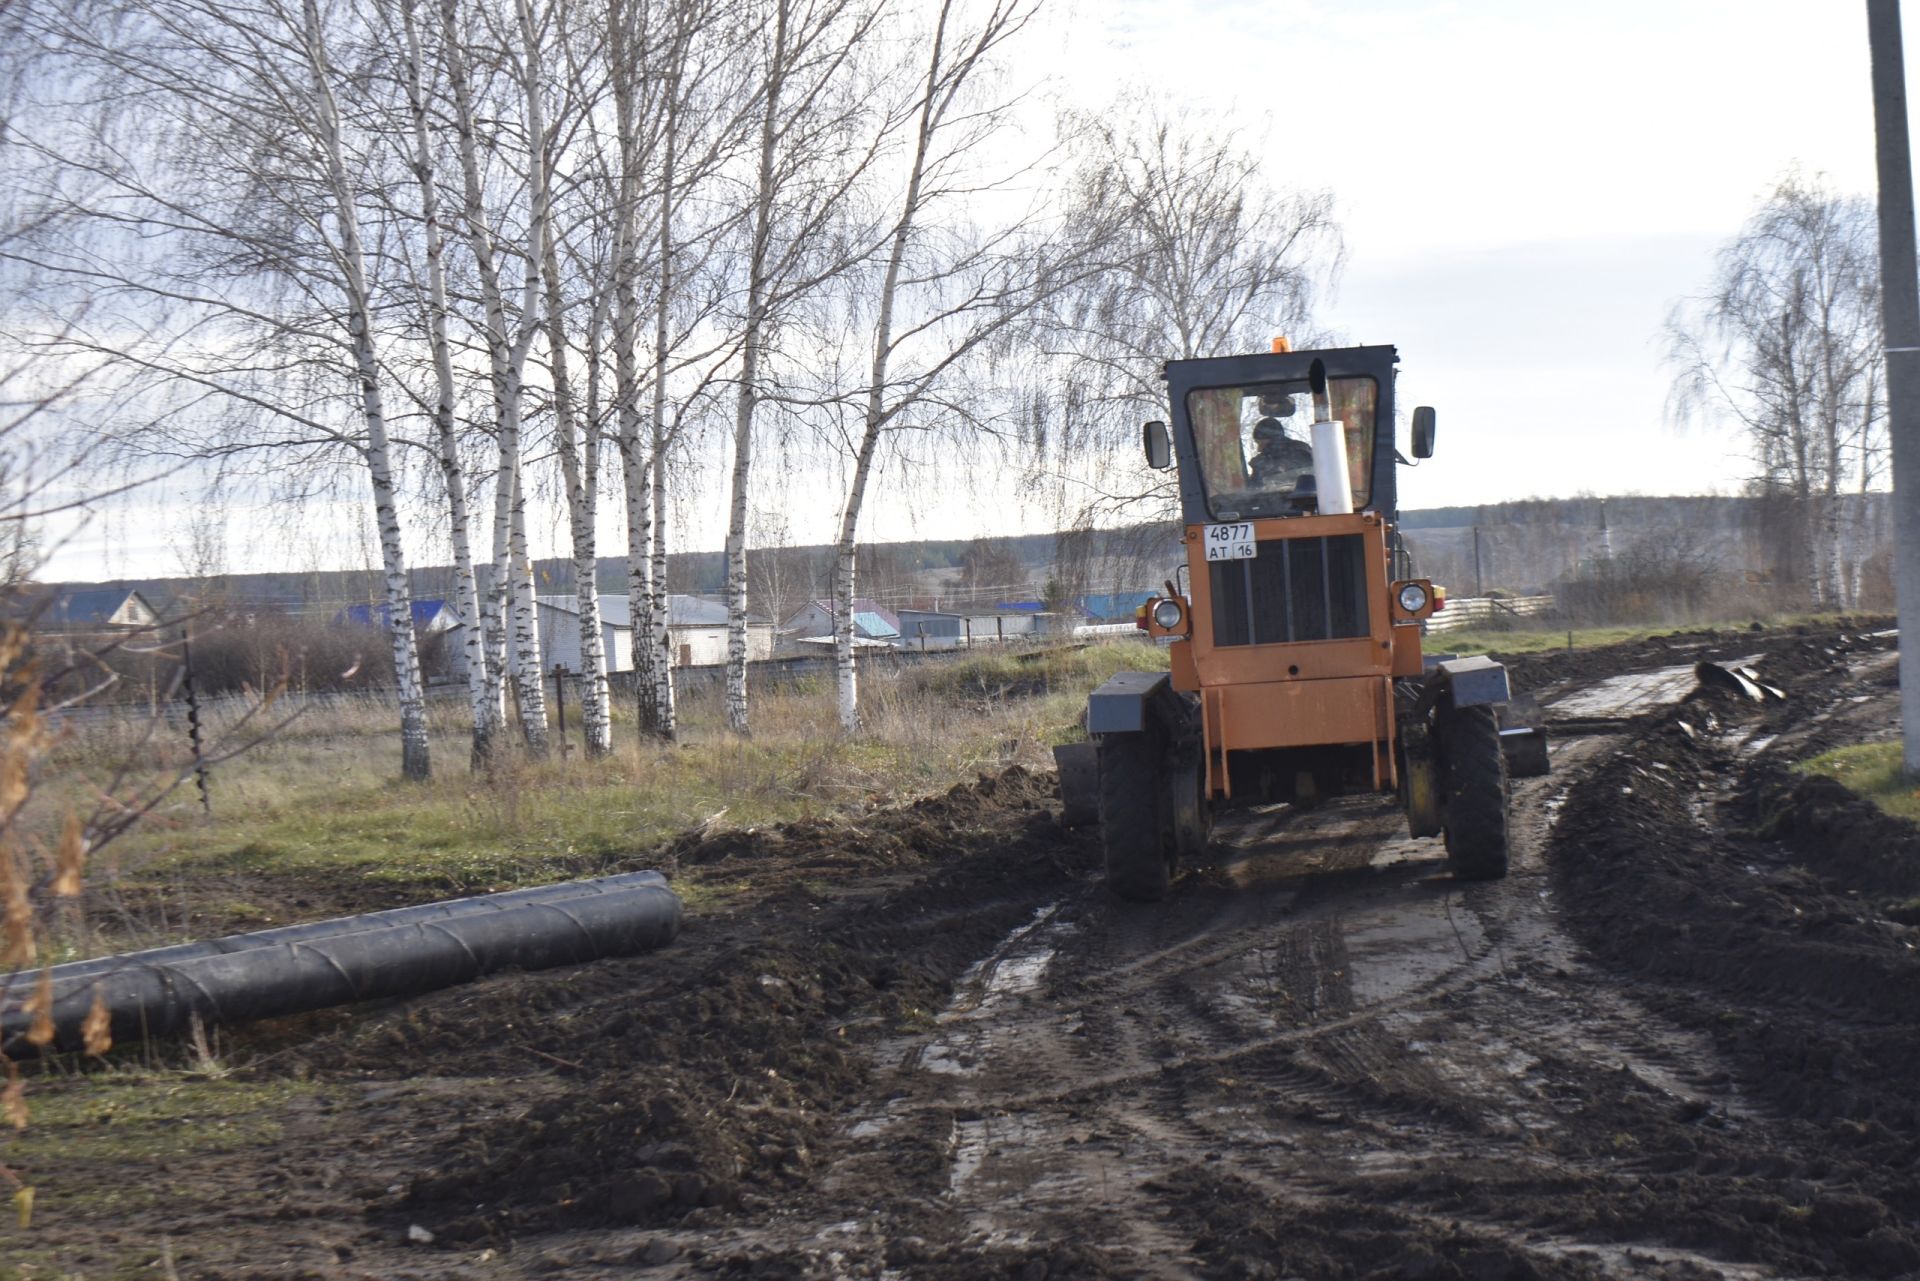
(1296, 589)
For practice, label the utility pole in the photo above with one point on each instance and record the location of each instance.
(1900, 295)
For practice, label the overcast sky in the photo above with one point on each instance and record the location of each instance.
(1525, 189)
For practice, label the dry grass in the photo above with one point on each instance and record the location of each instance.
(321, 803)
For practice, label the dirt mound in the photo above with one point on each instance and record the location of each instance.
(1837, 835)
(1810, 993)
(899, 837)
(696, 1080)
(1788, 652)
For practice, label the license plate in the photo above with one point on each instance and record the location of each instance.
(1230, 542)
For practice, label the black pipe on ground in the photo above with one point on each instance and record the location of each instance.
(291, 977)
(345, 925)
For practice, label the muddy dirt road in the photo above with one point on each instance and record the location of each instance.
(1679, 1040)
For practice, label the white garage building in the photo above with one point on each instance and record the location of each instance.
(696, 625)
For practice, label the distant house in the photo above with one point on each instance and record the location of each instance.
(928, 629)
(429, 616)
(980, 628)
(88, 610)
(871, 622)
(559, 619)
(696, 630)
(697, 627)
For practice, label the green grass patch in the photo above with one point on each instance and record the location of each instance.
(87, 1140)
(145, 1116)
(47, 1263)
(1534, 640)
(1874, 771)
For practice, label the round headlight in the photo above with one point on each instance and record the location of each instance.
(1166, 615)
(1413, 598)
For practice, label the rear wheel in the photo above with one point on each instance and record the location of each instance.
(1476, 771)
(1131, 788)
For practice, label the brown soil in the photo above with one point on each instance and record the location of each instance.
(1768, 937)
(1793, 648)
(751, 1046)
(1677, 1041)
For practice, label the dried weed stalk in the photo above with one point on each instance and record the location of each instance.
(44, 857)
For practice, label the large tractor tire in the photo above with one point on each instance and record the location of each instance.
(1131, 830)
(1189, 817)
(1476, 774)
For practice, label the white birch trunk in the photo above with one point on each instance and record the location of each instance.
(846, 673)
(502, 367)
(846, 676)
(637, 487)
(737, 536)
(531, 686)
(1831, 552)
(577, 472)
(659, 638)
(751, 338)
(633, 473)
(466, 588)
(414, 760)
(626, 327)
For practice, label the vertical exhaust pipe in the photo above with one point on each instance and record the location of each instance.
(1331, 479)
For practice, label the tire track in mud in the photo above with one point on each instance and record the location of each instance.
(1321, 1057)
(1325, 1025)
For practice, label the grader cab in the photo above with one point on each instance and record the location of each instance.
(1295, 628)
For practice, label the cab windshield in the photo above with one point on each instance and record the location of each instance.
(1256, 442)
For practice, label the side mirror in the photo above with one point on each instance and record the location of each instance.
(1159, 452)
(1423, 432)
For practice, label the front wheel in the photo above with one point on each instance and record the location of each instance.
(1476, 771)
(1130, 822)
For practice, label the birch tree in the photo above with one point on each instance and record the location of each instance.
(261, 269)
(678, 105)
(359, 318)
(947, 292)
(579, 451)
(509, 624)
(1786, 344)
(483, 706)
(647, 102)
(1211, 258)
(810, 157)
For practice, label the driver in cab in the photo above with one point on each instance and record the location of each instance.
(1279, 459)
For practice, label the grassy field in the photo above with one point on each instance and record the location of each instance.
(1873, 770)
(320, 805)
(1530, 640)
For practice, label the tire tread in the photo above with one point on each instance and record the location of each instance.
(1476, 794)
(1130, 826)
